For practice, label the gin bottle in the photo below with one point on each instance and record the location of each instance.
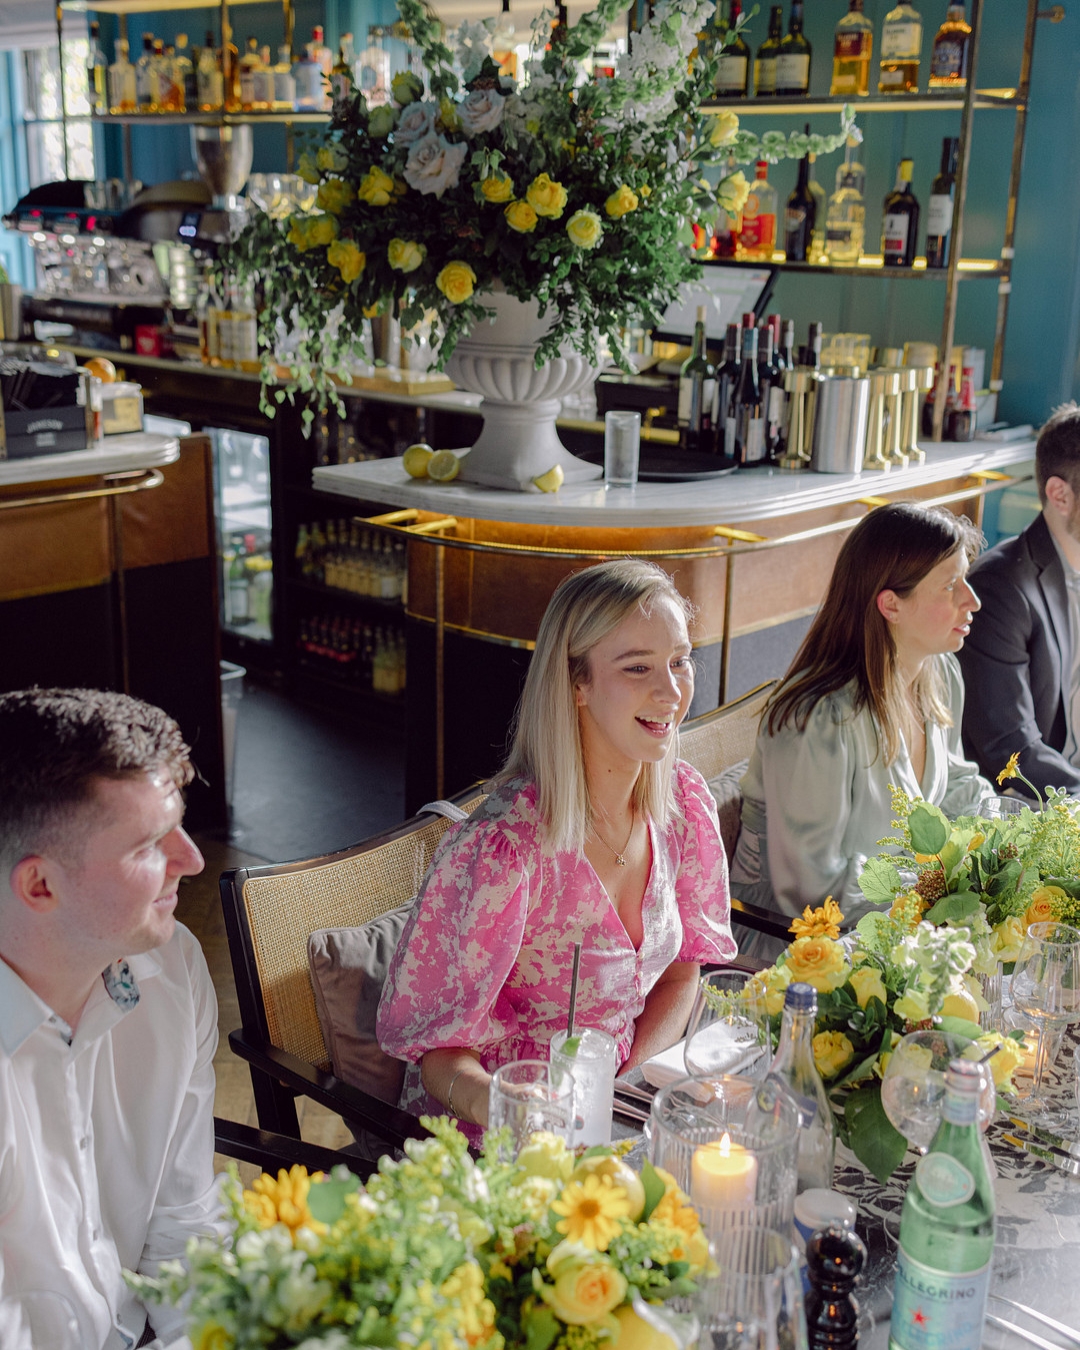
(947, 1230)
(794, 1064)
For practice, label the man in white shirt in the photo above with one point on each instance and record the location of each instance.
(108, 1020)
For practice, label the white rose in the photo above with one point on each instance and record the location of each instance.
(415, 122)
(434, 164)
(482, 110)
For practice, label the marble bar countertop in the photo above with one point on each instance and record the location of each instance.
(129, 452)
(750, 494)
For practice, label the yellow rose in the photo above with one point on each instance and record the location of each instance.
(773, 983)
(1008, 1059)
(298, 232)
(723, 128)
(622, 202)
(637, 1334)
(817, 961)
(913, 1006)
(546, 197)
(585, 229)
(732, 192)
(321, 231)
(332, 158)
(212, 1336)
(376, 187)
(867, 984)
(521, 217)
(405, 256)
(456, 281)
(347, 258)
(587, 1286)
(497, 188)
(1007, 938)
(334, 196)
(833, 1052)
(546, 1155)
(307, 168)
(1044, 905)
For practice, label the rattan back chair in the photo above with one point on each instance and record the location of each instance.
(270, 912)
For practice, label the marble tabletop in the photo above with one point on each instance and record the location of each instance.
(113, 454)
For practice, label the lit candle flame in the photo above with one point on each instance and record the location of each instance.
(724, 1146)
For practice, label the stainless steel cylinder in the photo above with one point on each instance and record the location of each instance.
(840, 424)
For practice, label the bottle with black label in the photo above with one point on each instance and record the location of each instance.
(697, 388)
(733, 65)
(744, 428)
(900, 227)
(952, 51)
(793, 58)
(800, 216)
(727, 377)
(940, 211)
(771, 381)
(765, 62)
(810, 355)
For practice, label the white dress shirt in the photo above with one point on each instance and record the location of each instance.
(107, 1137)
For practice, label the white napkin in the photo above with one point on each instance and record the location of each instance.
(726, 1054)
(665, 1067)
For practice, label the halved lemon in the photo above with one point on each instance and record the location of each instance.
(416, 459)
(443, 466)
(551, 481)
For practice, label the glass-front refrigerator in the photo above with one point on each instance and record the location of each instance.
(244, 528)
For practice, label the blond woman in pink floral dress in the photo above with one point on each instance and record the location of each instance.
(595, 833)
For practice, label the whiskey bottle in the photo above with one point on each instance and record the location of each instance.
(900, 227)
(853, 46)
(733, 65)
(939, 212)
(765, 61)
(757, 235)
(901, 48)
(952, 51)
(793, 58)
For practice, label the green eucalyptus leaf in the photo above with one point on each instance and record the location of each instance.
(326, 1199)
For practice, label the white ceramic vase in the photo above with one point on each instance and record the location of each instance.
(519, 441)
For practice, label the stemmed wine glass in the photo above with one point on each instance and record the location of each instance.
(729, 1028)
(1046, 988)
(913, 1088)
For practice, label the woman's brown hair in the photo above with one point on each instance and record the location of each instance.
(851, 641)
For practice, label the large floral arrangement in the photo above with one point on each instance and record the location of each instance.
(579, 193)
(439, 1252)
(894, 974)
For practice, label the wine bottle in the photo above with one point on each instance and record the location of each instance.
(947, 1230)
(757, 234)
(810, 355)
(97, 73)
(800, 216)
(787, 347)
(765, 62)
(794, 1064)
(727, 376)
(951, 51)
(733, 66)
(900, 227)
(744, 428)
(771, 380)
(901, 48)
(940, 210)
(697, 388)
(793, 58)
(853, 47)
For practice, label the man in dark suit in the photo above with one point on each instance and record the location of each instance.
(1021, 662)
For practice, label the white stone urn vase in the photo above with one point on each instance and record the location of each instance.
(519, 441)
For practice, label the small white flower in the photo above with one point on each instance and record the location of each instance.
(416, 122)
(481, 110)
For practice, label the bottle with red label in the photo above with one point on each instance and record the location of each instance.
(853, 47)
(757, 235)
(900, 227)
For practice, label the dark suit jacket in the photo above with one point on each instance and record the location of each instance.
(1017, 660)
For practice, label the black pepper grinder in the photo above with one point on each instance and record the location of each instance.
(835, 1257)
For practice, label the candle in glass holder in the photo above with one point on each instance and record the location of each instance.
(723, 1175)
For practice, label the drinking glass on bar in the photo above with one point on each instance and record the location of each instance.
(526, 1097)
(622, 446)
(592, 1067)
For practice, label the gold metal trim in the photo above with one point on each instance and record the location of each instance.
(148, 478)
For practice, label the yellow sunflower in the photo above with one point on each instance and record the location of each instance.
(591, 1210)
(1011, 770)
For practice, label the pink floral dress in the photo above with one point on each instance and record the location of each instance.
(485, 959)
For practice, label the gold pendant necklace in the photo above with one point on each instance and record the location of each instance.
(620, 854)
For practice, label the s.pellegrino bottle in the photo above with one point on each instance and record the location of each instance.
(794, 1065)
(947, 1230)
(697, 387)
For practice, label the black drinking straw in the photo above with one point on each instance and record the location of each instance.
(573, 990)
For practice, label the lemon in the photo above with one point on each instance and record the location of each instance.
(960, 1004)
(551, 481)
(620, 1173)
(636, 1334)
(415, 460)
(443, 466)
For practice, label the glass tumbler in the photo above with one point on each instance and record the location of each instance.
(592, 1067)
(622, 446)
(524, 1097)
(755, 1301)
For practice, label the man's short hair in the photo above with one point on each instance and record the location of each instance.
(54, 744)
(1057, 451)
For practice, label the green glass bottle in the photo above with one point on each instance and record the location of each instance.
(947, 1230)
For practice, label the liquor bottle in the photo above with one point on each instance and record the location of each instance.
(853, 47)
(939, 212)
(733, 66)
(765, 62)
(960, 415)
(951, 51)
(900, 228)
(284, 84)
(845, 219)
(208, 79)
(264, 81)
(184, 75)
(146, 77)
(341, 77)
(727, 376)
(322, 53)
(757, 237)
(502, 42)
(850, 167)
(309, 80)
(794, 1065)
(810, 355)
(821, 206)
(249, 63)
(947, 1230)
(744, 427)
(725, 238)
(697, 389)
(230, 71)
(170, 91)
(771, 382)
(784, 360)
(901, 48)
(787, 346)
(793, 58)
(97, 73)
(123, 95)
(799, 217)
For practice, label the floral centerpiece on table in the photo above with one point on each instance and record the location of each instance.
(893, 974)
(439, 1252)
(575, 192)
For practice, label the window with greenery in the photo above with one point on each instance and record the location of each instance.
(44, 125)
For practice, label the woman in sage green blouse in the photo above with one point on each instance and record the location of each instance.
(873, 698)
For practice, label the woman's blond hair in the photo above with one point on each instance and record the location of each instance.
(546, 745)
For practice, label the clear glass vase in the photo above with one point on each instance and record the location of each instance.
(991, 1019)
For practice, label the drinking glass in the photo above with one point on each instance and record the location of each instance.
(913, 1089)
(998, 808)
(755, 1302)
(524, 1097)
(1046, 988)
(622, 446)
(729, 1028)
(588, 1057)
(37, 1318)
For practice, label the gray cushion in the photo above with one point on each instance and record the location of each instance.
(348, 970)
(725, 790)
